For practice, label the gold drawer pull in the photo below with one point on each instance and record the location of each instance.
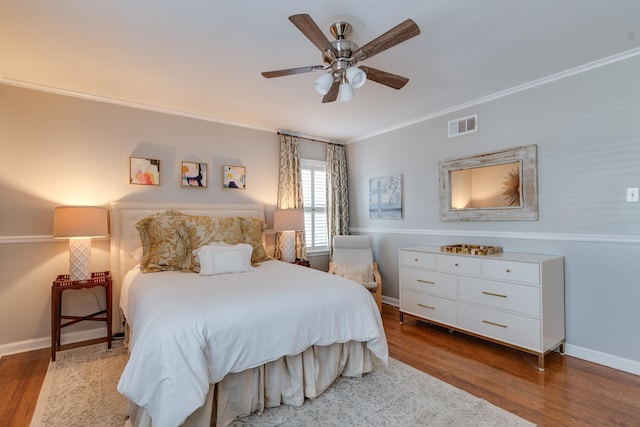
(456, 264)
(416, 259)
(494, 324)
(494, 295)
(425, 281)
(426, 306)
(508, 271)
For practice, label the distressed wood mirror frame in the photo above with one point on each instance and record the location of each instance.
(525, 157)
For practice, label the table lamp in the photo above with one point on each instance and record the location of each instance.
(288, 221)
(79, 224)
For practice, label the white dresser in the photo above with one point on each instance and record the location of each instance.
(514, 299)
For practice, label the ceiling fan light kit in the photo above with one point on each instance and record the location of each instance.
(346, 91)
(324, 82)
(341, 55)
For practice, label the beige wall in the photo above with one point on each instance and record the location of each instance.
(58, 150)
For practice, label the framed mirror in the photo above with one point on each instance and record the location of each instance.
(501, 185)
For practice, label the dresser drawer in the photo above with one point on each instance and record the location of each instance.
(459, 264)
(511, 270)
(418, 259)
(442, 284)
(438, 309)
(506, 296)
(511, 328)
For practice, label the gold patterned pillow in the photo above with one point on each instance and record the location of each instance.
(252, 230)
(198, 231)
(162, 247)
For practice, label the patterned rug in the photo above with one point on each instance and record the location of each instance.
(80, 390)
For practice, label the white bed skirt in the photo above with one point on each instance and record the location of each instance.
(288, 380)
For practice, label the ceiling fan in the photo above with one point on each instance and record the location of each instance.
(341, 56)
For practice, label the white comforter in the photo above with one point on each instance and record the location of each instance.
(192, 330)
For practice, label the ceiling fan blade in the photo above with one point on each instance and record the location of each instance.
(292, 71)
(387, 79)
(310, 29)
(332, 95)
(394, 36)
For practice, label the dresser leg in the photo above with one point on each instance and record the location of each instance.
(541, 362)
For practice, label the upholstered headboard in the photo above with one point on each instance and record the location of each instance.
(125, 238)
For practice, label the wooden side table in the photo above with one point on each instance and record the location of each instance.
(62, 283)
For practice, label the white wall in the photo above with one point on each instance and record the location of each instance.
(587, 129)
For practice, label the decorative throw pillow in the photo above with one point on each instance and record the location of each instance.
(221, 258)
(252, 229)
(162, 247)
(361, 273)
(198, 231)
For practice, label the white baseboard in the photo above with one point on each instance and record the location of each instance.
(605, 359)
(609, 360)
(40, 343)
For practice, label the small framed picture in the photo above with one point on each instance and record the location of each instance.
(234, 177)
(144, 171)
(193, 175)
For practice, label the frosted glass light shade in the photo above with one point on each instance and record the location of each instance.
(324, 83)
(345, 93)
(356, 77)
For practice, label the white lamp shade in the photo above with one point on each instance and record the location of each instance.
(79, 221)
(324, 83)
(345, 93)
(288, 220)
(356, 77)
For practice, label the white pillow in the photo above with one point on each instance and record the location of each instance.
(361, 273)
(222, 258)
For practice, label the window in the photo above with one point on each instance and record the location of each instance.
(314, 193)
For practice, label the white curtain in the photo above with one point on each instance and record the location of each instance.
(337, 192)
(290, 189)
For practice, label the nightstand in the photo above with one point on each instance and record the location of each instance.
(62, 283)
(302, 262)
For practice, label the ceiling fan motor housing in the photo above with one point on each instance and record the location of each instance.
(340, 58)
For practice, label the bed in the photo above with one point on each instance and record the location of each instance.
(209, 345)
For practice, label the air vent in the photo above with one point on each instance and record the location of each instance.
(462, 126)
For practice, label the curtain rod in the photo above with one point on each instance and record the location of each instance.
(309, 137)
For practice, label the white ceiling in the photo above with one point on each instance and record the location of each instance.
(204, 57)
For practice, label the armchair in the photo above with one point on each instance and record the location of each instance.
(353, 259)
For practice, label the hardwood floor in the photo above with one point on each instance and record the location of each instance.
(570, 392)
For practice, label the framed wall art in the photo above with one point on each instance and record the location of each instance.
(385, 197)
(234, 177)
(144, 171)
(193, 174)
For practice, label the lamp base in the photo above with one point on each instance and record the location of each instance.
(288, 246)
(80, 259)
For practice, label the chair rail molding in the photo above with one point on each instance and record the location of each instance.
(565, 237)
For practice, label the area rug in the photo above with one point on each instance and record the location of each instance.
(80, 390)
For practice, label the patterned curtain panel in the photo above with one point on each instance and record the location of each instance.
(337, 193)
(290, 189)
